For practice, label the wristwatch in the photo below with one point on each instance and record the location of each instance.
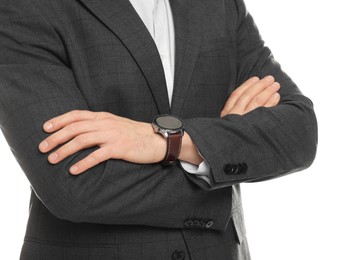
(171, 127)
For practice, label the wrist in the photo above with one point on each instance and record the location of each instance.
(158, 144)
(189, 152)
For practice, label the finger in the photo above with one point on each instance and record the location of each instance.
(273, 101)
(230, 102)
(94, 158)
(80, 142)
(67, 133)
(58, 122)
(261, 99)
(249, 94)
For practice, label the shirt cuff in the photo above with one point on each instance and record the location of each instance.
(201, 171)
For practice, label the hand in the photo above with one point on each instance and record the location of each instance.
(117, 137)
(252, 94)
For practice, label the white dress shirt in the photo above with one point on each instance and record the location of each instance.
(158, 18)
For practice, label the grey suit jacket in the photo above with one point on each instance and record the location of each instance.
(63, 55)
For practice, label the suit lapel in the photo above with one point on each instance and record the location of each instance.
(122, 19)
(187, 22)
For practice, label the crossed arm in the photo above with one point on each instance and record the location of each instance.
(37, 85)
(133, 141)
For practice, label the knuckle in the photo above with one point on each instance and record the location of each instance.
(258, 101)
(72, 128)
(86, 162)
(91, 159)
(244, 98)
(53, 140)
(96, 115)
(74, 114)
(98, 155)
(103, 114)
(100, 115)
(252, 105)
(78, 113)
(82, 139)
(234, 94)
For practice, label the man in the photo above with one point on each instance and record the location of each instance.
(135, 124)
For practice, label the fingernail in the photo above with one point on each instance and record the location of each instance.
(48, 125)
(43, 145)
(276, 96)
(275, 85)
(53, 157)
(73, 169)
(255, 79)
(269, 78)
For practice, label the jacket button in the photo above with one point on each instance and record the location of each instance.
(178, 255)
(209, 224)
(231, 168)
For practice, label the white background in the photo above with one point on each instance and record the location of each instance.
(305, 215)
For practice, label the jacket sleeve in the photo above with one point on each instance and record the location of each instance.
(36, 84)
(267, 142)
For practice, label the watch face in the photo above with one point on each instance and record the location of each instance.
(169, 122)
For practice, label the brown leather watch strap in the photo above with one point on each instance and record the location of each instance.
(174, 142)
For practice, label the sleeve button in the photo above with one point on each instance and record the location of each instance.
(178, 255)
(239, 170)
(228, 168)
(188, 223)
(244, 168)
(231, 168)
(209, 224)
(196, 223)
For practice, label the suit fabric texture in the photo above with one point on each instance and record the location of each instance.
(63, 55)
